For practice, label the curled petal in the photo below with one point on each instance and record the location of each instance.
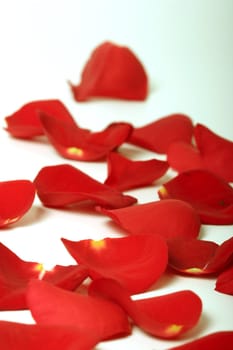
(125, 174)
(170, 218)
(224, 283)
(166, 316)
(64, 185)
(135, 261)
(158, 135)
(19, 336)
(112, 71)
(25, 122)
(183, 156)
(16, 198)
(101, 318)
(209, 194)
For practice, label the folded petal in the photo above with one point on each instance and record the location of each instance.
(183, 156)
(136, 261)
(158, 135)
(64, 185)
(224, 283)
(25, 122)
(167, 316)
(112, 71)
(16, 198)
(170, 218)
(19, 336)
(209, 194)
(125, 174)
(51, 305)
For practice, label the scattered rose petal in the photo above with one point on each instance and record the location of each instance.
(213, 341)
(101, 318)
(19, 336)
(224, 283)
(112, 71)
(209, 194)
(16, 198)
(75, 143)
(170, 218)
(64, 185)
(25, 122)
(167, 316)
(125, 174)
(136, 261)
(158, 135)
(16, 273)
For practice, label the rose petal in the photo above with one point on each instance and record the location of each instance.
(170, 218)
(63, 185)
(166, 316)
(224, 283)
(16, 198)
(183, 156)
(19, 336)
(135, 261)
(213, 341)
(112, 71)
(75, 143)
(158, 135)
(25, 122)
(125, 174)
(98, 317)
(209, 194)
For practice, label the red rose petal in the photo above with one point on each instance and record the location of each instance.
(213, 341)
(75, 143)
(96, 316)
(209, 194)
(170, 218)
(125, 174)
(112, 71)
(166, 316)
(224, 283)
(63, 185)
(135, 261)
(183, 156)
(25, 122)
(16, 198)
(19, 336)
(158, 135)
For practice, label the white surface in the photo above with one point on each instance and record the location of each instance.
(187, 49)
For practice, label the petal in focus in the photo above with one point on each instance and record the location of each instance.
(16, 198)
(224, 283)
(209, 194)
(64, 185)
(136, 261)
(112, 71)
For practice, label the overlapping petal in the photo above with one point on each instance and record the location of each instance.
(166, 316)
(101, 318)
(169, 218)
(112, 71)
(224, 283)
(16, 273)
(125, 174)
(64, 185)
(136, 261)
(19, 336)
(16, 198)
(25, 122)
(158, 135)
(209, 194)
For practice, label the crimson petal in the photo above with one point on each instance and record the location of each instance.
(125, 174)
(170, 218)
(112, 71)
(209, 194)
(19, 336)
(224, 283)
(135, 261)
(16, 198)
(63, 185)
(158, 135)
(166, 316)
(96, 316)
(25, 122)
(183, 156)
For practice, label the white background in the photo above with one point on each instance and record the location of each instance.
(187, 49)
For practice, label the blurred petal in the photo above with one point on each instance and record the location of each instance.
(224, 283)
(112, 71)
(183, 156)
